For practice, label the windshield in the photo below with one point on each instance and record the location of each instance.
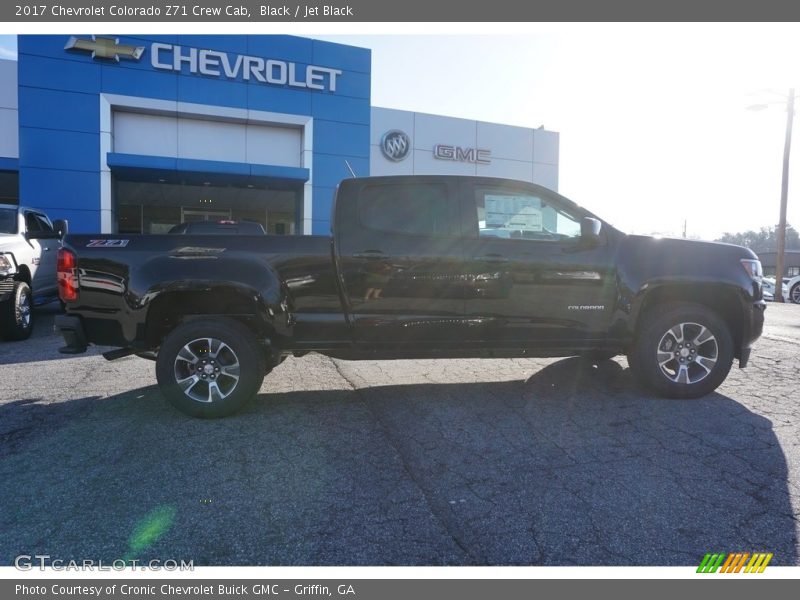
(8, 220)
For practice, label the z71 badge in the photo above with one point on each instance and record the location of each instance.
(107, 243)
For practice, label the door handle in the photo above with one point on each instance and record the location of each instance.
(493, 258)
(46, 249)
(369, 254)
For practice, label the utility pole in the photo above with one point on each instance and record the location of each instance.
(779, 258)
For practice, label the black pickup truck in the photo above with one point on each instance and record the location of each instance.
(416, 267)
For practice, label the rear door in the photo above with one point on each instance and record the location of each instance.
(400, 261)
(530, 278)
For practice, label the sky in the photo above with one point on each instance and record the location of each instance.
(653, 118)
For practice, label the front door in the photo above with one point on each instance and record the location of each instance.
(45, 250)
(530, 278)
(400, 261)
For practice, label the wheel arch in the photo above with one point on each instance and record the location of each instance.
(722, 300)
(173, 307)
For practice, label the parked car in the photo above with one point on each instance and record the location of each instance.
(224, 227)
(769, 289)
(28, 246)
(415, 269)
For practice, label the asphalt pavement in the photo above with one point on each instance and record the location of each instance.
(448, 462)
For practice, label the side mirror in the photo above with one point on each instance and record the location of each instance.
(590, 230)
(62, 227)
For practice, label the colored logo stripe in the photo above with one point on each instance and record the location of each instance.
(734, 561)
(710, 563)
(758, 563)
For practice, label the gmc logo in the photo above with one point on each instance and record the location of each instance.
(456, 153)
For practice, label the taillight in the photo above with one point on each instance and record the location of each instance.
(67, 275)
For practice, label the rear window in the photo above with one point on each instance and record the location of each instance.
(409, 208)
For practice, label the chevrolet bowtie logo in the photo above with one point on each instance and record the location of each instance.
(103, 47)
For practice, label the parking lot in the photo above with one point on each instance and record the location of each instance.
(452, 462)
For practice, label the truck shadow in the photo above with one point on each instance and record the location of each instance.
(572, 466)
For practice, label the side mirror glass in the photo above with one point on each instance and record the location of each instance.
(62, 227)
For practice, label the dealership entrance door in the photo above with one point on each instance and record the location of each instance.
(154, 206)
(205, 215)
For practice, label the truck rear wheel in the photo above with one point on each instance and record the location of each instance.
(210, 368)
(16, 313)
(682, 351)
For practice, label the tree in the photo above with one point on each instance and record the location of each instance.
(763, 240)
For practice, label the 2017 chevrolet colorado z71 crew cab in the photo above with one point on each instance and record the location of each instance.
(422, 266)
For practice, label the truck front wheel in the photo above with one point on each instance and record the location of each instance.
(682, 351)
(210, 368)
(16, 313)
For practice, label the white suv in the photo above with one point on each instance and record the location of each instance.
(29, 244)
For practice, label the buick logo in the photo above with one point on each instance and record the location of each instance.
(395, 145)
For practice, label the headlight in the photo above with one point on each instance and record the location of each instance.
(753, 268)
(7, 265)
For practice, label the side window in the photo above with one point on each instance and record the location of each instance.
(516, 214)
(44, 223)
(32, 223)
(414, 209)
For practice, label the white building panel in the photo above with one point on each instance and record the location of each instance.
(8, 84)
(206, 139)
(546, 175)
(545, 146)
(379, 165)
(505, 141)
(508, 169)
(282, 146)
(151, 135)
(430, 130)
(426, 164)
(212, 140)
(9, 133)
(385, 119)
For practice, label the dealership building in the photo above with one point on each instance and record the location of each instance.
(133, 134)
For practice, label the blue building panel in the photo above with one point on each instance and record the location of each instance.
(51, 109)
(58, 74)
(199, 89)
(280, 47)
(59, 149)
(340, 56)
(330, 169)
(147, 84)
(346, 139)
(320, 227)
(57, 190)
(236, 44)
(281, 100)
(333, 107)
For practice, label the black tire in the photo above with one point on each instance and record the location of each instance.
(704, 361)
(16, 313)
(240, 348)
(794, 293)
